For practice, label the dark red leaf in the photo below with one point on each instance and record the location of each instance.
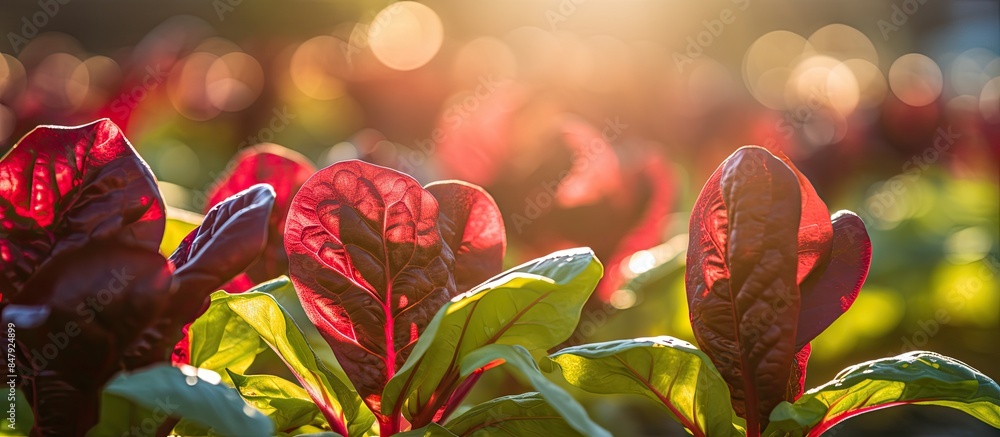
(61, 187)
(741, 278)
(86, 305)
(831, 289)
(471, 225)
(231, 236)
(285, 170)
(815, 230)
(369, 265)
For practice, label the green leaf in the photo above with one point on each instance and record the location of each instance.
(527, 414)
(521, 359)
(287, 404)
(262, 313)
(289, 301)
(921, 378)
(220, 340)
(671, 372)
(147, 397)
(179, 223)
(119, 414)
(536, 305)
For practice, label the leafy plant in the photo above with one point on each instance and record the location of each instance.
(402, 282)
(767, 271)
(285, 171)
(84, 286)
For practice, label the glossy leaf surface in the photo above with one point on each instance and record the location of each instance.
(285, 170)
(741, 277)
(535, 305)
(186, 392)
(831, 289)
(671, 372)
(61, 187)
(341, 406)
(921, 378)
(527, 414)
(471, 225)
(287, 404)
(369, 265)
(520, 359)
(230, 237)
(221, 341)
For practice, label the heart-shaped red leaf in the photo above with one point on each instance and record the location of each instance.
(285, 170)
(369, 265)
(741, 278)
(61, 187)
(471, 225)
(830, 290)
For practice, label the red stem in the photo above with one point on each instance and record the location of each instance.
(336, 425)
(388, 425)
(460, 393)
(825, 425)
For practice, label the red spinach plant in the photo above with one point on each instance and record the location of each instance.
(85, 292)
(767, 271)
(404, 283)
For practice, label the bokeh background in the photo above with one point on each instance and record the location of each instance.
(592, 122)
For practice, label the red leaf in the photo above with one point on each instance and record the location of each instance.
(741, 278)
(815, 230)
(231, 236)
(86, 304)
(285, 170)
(369, 265)
(61, 187)
(471, 225)
(830, 290)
